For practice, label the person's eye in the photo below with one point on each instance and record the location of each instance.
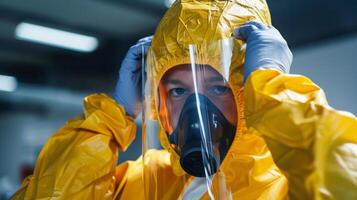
(218, 90)
(178, 92)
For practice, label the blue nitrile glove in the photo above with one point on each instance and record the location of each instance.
(266, 48)
(128, 90)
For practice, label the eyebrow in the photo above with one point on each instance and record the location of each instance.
(215, 79)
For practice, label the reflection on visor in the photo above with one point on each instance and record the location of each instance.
(201, 138)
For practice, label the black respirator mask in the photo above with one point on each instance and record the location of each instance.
(202, 137)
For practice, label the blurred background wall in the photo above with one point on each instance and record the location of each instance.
(42, 86)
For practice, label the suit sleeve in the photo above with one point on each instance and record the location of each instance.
(312, 143)
(79, 161)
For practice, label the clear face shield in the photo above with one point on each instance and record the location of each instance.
(189, 119)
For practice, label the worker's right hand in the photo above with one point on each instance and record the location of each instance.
(128, 90)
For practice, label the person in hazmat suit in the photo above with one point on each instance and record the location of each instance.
(222, 119)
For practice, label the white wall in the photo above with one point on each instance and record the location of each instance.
(332, 65)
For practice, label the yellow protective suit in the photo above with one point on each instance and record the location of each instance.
(289, 143)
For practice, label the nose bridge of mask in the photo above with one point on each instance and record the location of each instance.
(208, 102)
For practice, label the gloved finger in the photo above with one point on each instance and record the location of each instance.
(135, 52)
(139, 50)
(145, 47)
(244, 31)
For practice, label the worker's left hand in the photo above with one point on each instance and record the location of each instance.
(266, 48)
